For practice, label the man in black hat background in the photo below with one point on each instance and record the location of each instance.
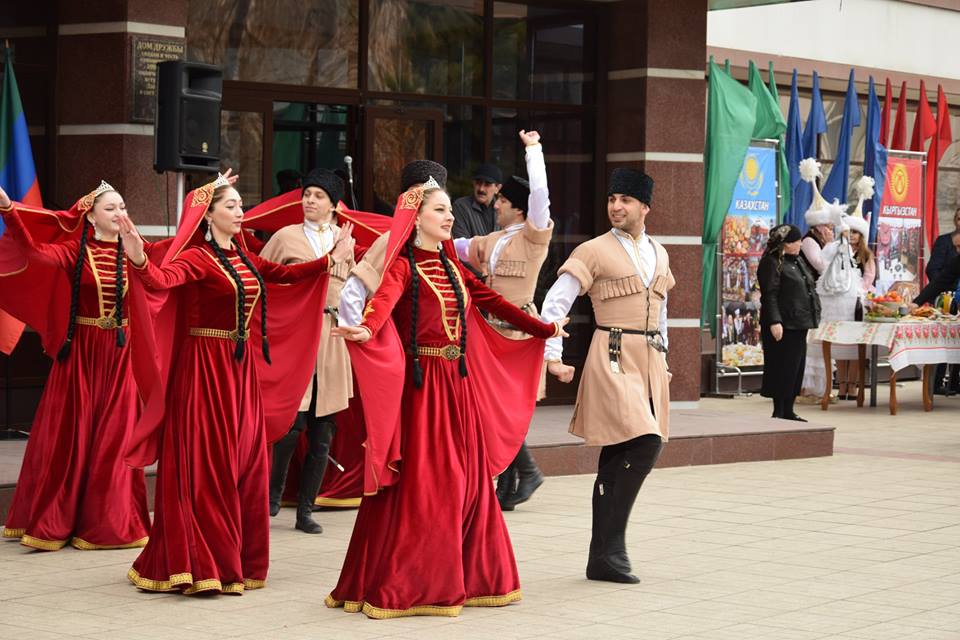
(474, 215)
(623, 402)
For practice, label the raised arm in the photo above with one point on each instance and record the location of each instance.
(62, 255)
(275, 272)
(538, 205)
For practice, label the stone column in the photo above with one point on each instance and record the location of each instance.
(98, 135)
(655, 106)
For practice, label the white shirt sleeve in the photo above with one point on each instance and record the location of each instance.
(662, 323)
(462, 245)
(352, 298)
(538, 205)
(556, 306)
(813, 253)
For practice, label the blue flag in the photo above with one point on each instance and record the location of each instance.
(874, 160)
(794, 151)
(816, 125)
(836, 184)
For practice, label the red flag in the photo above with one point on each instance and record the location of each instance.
(924, 126)
(899, 140)
(942, 140)
(885, 115)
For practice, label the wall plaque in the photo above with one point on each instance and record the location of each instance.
(145, 53)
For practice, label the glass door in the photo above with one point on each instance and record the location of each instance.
(392, 137)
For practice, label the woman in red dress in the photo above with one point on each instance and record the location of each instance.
(73, 484)
(429, 537)
(211, 524)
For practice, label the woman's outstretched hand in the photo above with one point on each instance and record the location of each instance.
(132, 242)
(351, 334)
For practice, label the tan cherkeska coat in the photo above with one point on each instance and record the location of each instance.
(289, 245)
(615, 407)
(516, 272)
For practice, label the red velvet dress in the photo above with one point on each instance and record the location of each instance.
(433, 539)
(73, 484)
(211, 522)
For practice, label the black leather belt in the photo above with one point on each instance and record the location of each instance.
(333, 311)
(615, 343)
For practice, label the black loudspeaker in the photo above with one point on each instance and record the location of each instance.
(186, 132)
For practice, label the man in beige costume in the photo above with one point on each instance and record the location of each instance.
(365, 276)
(331, 388)
(623, 403)
(510, 259)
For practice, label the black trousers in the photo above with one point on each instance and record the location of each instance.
(783, 363)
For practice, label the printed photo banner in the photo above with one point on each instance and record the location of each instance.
(899, 248)
(750, 216)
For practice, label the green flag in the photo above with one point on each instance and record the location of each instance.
(786, 189)
(731, 116)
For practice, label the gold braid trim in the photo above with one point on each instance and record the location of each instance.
(321, 501)
(179, 580)
(13, 533)
(83, 545)
(494, 601)
(379, 613)
(42, 545)
(176, 580)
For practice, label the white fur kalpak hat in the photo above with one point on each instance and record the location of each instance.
(863, 188)
(817, 212)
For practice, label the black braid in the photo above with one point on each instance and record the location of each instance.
(414, 309)
(264, 344)
(75, 290)
(241, 298)
(461, 307)
(118, 312)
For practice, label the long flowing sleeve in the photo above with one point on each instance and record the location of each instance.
(492, 302)
(183, 269)
(62, 255)
(538, 204)
(352, 297)
(289, 273)
(557, 305)
(381, 305)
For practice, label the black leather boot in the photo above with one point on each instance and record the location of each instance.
(529, 477)
(608, 559)
(319, 437)
(506, 485)
(282, 453)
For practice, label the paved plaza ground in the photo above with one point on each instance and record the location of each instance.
(862, 545)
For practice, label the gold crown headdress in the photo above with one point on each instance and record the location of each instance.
(412, 198)
(86, 202)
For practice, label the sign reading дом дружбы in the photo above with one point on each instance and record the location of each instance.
(145, 53)
(750, 216)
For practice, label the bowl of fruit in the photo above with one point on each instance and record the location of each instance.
(885, 308)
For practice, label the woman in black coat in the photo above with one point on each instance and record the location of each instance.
(789, 307)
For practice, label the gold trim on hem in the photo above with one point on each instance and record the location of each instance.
(179, 580)
(83, 545)
(494, 601)
(378, 613)
(42, 545)
(344, 503)
(13, 533)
